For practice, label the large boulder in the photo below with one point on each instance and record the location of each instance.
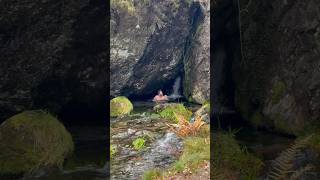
(50, 54)
(33, 140)
(120, 106)
(278, 79)
(197, 62)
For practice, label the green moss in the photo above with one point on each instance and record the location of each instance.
(170, 112)
(196, 151)
(139, 144)
(152, 174)
(31, 140)
(257, 119)
(190, 99)
(314, 143)
(207, 105)
(113, 150)
(282, 126)
(277, 92)
(125, 5)
(120, 106)
(176, 5)
(229, 155)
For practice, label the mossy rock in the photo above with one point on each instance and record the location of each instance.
(171, 111)
(124, 5)
(278, 91)
(31, 140)
(120, 106)
(257, 119)
(204, 113)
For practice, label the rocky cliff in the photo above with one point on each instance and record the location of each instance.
(151, 44)
(197, 61)
(52, 53)
(278, 79)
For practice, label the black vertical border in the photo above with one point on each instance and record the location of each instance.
(212, 4)
(107, 99)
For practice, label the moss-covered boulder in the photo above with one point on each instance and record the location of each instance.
(120, 106)
(33, 139)
(172, 112)
(204, 112)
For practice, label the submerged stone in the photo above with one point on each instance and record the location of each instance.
(32, 140)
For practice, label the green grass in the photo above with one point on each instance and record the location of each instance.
(139, 144)
(33, 139)
(152, 174)
(229, 155)
(196, 151)
(170, 112)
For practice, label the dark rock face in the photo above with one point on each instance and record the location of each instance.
(197, 63)
(52, 53)
(278, 79)
(148, 46)
(225, 51)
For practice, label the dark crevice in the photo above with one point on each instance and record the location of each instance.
(226, 50)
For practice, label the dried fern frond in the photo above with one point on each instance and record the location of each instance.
(282, 165)
(297, 174)
(185, 128)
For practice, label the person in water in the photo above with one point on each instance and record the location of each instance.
(160, 97)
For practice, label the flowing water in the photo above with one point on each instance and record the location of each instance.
(176, 89)
(161, 149)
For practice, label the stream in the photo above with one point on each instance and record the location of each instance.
(162, 147)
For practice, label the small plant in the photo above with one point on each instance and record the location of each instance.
(152, 174)
(185, 128)
(113, 150)
(139, 144)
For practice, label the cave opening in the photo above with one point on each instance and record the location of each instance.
(168, 87)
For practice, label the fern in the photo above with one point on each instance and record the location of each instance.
(297, 174)
(282, 165)
(185, 128)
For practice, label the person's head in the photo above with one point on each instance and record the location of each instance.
(160, 93)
